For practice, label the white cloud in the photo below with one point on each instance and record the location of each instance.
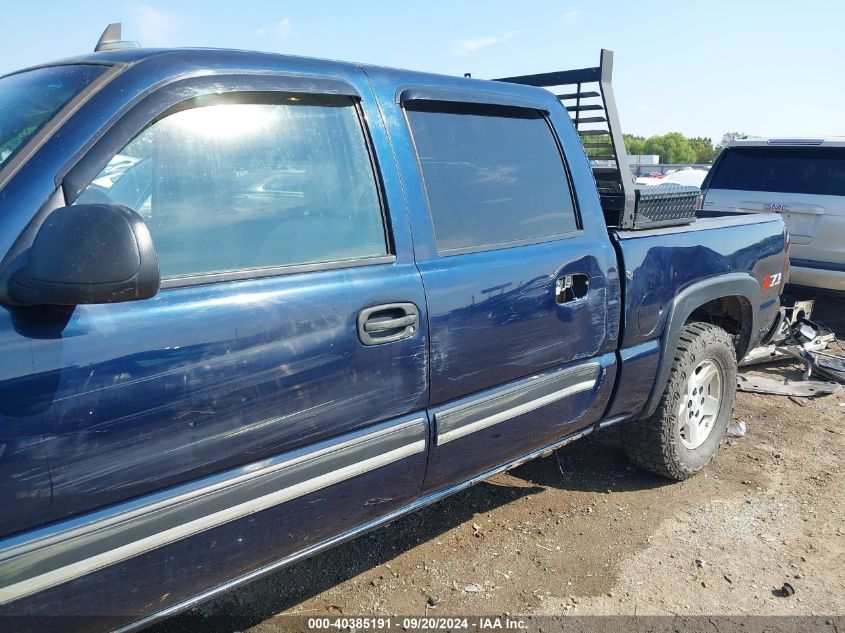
(284, 28)
(571, 14)
(281, 29)
(464, 47)
(154, 27)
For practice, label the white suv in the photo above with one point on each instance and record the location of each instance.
(804, 181)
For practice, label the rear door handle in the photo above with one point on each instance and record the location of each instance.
(571, 287)
(387, 323)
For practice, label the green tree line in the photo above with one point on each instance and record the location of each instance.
(675, 148)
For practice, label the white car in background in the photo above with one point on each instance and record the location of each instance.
(690, 177)
(686, 176)
(804, 181)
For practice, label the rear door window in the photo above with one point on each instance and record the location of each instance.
(494, 175)
(800, 170)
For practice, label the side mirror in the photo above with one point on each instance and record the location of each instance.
(89, 253)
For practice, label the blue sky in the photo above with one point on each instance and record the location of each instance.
(770, 68)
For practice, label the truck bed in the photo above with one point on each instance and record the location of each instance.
(660, 267)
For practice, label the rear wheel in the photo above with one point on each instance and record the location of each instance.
(683, 434)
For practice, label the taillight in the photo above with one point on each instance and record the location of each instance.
(699, 200)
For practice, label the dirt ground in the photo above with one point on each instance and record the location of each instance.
(583, 532)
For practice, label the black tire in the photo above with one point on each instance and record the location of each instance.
(655, 443)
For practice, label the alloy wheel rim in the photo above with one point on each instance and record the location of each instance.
(700, 403)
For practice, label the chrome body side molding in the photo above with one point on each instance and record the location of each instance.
(86, 544)
(418, 504)
(526, 396)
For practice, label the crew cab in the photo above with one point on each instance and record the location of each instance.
(254, 305)
(803, 179)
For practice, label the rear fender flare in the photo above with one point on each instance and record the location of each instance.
(684, 304)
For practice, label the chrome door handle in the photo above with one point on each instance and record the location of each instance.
(387, 323)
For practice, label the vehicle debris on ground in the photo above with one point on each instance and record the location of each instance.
(797, 337)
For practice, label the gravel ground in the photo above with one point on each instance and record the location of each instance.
(585, 533)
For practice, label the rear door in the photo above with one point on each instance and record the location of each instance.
(284, 359)
(521, 287)
(806, 185)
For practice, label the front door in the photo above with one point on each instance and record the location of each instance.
(283, 361)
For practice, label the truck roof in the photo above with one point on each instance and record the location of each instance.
(134, 55)
(823, 141)
(169, 62)
(227, 58)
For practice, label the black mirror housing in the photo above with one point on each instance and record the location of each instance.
(89, 253)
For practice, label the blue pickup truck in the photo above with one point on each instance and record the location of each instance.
(254, 305)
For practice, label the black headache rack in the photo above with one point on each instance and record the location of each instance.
(587, 95)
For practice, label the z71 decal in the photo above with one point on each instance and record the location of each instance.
(772, 281)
